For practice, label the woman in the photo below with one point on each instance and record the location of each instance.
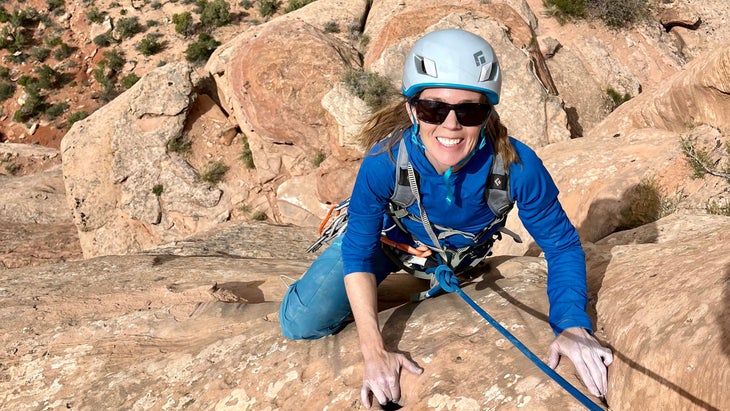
(452, 134)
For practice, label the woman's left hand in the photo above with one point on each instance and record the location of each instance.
(589, 357)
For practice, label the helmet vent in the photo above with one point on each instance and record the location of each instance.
(426, 66)
(486, 72)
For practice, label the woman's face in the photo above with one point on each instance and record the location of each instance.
(450, 142)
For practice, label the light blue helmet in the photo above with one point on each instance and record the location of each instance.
(452, 58)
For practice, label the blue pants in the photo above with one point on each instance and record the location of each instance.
(316, 305)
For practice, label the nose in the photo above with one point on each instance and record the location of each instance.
(451, 121)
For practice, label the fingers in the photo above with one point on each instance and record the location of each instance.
(554, 356)
(365, 396)
(607, 356)
(411, 366)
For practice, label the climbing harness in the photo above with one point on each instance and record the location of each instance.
(405, 194)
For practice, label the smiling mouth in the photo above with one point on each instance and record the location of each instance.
(449, 142)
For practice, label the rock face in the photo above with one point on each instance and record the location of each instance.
(114, 160)
(174, 331)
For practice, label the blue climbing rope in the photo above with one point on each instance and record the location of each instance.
(540, 364)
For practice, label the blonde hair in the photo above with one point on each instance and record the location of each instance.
(389, 124)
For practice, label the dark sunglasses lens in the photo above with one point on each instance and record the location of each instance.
(471, 114)
(435, 112)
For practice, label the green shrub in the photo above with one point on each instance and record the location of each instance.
(180, 144)
(56, 6)
(94, 15)
(296, 4)
(4, 72)
(613, 13)
(151, 23)
(115, 59)
(259, 216)
(374, 89)
(213, 172)
(184, 23)
(56, 110)
(149, 45)
(123, 12)
(158, 189)
(53, 41)
(268, 8)
(718, 208)
(33, 106)
(129, 80)
(156, 5)
(76, 116)
(246, 154)
(7, 90)
(104, 40)
(246, 4)
(216, 13)
(616, 98)
(127, 27)
(40, 54)
(49, 78)
(63, 52)
(199, 51)
(318, 158)
(331, 27)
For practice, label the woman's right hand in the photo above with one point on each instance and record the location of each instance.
(381, 376)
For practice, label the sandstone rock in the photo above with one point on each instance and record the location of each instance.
(619, 182)
(38, 198)
(673, 353)
(679, 14)
(349, 112)
(32, 244)
(114, 159)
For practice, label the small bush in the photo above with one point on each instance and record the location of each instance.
(149, 45)
(63, 52)
(617, 98)
(4, 72)
(199, 51)
(49, 78)
(129, 80)
(151, 23)
(318, 158)
(33, 107)
(40, 54)
(94, 15)
(180, 145)
(374, 89)
(331, 27)
(213, 172)
(246, 4)
(7, 90)
(268, 8)
(718, 208)
(184, 23)
(216, 13)
(247, 155)
(56, 6)
(259, 216)
(104, 40)
(127, 27)
(76, 116)
(56, 110)
(115, 59)
(158, 189)
(156, 5)
(613, 13)
(53, 41)
(296, 4)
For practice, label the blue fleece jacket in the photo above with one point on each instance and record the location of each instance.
(531, 187)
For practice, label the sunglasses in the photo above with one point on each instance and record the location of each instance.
(435, 112)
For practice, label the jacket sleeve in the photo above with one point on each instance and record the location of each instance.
(544, 218)
(370, 194)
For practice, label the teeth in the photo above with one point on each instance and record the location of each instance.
(448, 141)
